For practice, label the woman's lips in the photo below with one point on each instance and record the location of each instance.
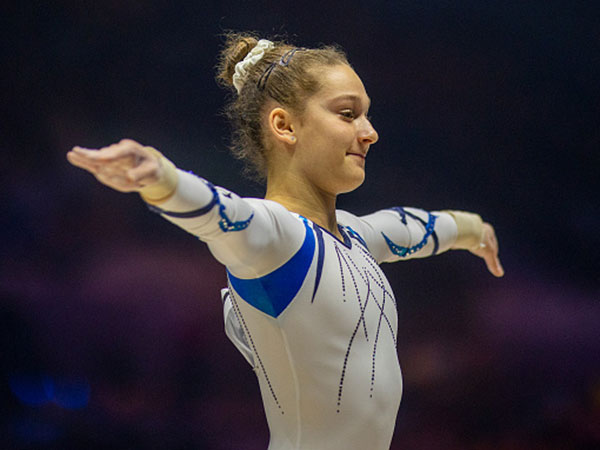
(359, 155)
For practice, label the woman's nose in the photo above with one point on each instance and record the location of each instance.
(368, 134)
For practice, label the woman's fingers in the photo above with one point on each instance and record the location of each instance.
(108, 167)
(118, 182)
(488, 250)
(112, 152)
(126, 166)
(146, 173)
(74, 159)
(493, 264)
(83, 162)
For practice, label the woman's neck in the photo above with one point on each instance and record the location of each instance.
(307, 200)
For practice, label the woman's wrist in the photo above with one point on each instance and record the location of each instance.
(469, 230)
(165, 187)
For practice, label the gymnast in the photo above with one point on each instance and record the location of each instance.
(307, 303)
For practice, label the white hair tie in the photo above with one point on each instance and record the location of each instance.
(255, 55)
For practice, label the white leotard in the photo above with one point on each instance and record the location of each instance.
(314, 316)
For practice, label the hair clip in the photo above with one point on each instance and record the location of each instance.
(284, 61)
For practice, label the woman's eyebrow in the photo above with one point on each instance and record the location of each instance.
(354, 98)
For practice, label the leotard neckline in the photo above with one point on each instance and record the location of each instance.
(347, 242)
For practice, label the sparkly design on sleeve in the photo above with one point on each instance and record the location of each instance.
(402, 212)
(225, 223)
(429, 231)
(372, 279)
(436, 242)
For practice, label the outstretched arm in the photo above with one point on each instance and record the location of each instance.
(403, 233)
(250, 237)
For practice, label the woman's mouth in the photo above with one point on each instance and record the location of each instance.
(357, 155)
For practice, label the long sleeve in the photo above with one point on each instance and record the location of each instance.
(252, 237)
(402, 233)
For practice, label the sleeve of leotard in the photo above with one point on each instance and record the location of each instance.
(402, 233)
(252, 237)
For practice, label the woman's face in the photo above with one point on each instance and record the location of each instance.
(334, 133)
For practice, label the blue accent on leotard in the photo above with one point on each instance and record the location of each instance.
(225, 223)
(403, 213)
(400, 210)
(273, 292)
(187, 214)
(356, 236)
(320, 259)
(436, 242)
(404, 251)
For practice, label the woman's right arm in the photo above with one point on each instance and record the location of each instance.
(251, 237)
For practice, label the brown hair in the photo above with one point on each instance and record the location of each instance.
(290, 85)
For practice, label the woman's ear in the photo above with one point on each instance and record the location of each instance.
(280, 124)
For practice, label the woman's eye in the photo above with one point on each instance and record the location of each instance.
(347, 114)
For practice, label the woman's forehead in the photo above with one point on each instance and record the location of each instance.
(342, 82)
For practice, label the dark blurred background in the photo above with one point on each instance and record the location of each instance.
(110, 318)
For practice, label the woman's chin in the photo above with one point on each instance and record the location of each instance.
(354, 181)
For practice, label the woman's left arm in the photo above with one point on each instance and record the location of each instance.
(403, 233)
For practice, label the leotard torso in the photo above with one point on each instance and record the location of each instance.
(314, 316)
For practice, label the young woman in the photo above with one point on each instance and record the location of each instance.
(307, 303)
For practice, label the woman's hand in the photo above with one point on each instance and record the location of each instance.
(127, 166)
(488, 250)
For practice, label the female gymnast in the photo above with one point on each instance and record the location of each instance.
(307, 303)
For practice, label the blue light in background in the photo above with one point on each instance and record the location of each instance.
(31, 389)
(40, 389)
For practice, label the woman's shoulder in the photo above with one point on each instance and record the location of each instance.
(346, 218)
(276, 215)
(269, 206)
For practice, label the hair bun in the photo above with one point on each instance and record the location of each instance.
(235, 49)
